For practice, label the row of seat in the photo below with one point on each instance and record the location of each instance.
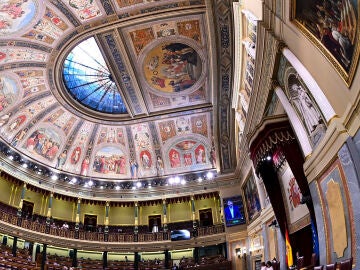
(343, 265)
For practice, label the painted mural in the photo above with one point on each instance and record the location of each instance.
(172, 67)
(164, 29)
(251, 196)
(334, 27)
(9, 92)
(22, 114)
(85, 10)
(188, 153)
(43, 142)
(16, 15)
(190, 29)
(127, 3)
(63, 120)
(141, 38)
(167, 130)
(111, 135)
(183, 125)
(32, 81)
(199, 125)
(47, 29)
(110, 160)
(10, 55)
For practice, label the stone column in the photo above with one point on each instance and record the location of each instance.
(77, 219)
(19, 212)
(167, 259)
(281, 249)
(105, 257)
(48, 214)
(74, 258)
(14, 246)
(195, 226)
(43, 259)
(136, 221)
(136, 260)
(106, 229)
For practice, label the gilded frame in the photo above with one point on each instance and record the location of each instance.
(344, 61)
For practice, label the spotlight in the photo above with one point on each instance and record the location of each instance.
(138, 184)
(177, 179)
(209, 175)
(117, 188)
(90, 183)
(171, 180)
(133, 187)
(183, 182)
(11, 157)
(25, 165)
(200, 179)
(73, 181)
(54, 177)
(268, 158)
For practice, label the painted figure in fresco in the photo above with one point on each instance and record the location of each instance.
(146, 161)
(159, 166)
(85, 166)
(174, 159)
(4, 119)
(75, 155)
(122, 165)
(305, 106)
(17, 122)
(61, 159)
(19, 136)
(134, 169)
(86, 8)
(52, 150)
(31, 142)
(200, 155)
(103, 165)
(188, 159)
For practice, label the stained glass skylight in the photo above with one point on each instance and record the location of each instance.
(89, 80)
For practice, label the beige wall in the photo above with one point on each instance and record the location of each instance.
(179, 212)
(121, 216)
(6, 190)
(63, 209)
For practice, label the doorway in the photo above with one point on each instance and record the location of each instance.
(154, 223)
(27, 209)
(90, 223)
(206, 218)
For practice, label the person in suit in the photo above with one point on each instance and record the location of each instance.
(232, 211)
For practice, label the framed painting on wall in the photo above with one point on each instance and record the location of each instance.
(333, 26)
(251, 196)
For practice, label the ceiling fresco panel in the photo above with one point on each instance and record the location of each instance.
(159, 55)
(171, 56)
(17, 16)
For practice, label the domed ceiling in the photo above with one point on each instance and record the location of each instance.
(117, 90)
